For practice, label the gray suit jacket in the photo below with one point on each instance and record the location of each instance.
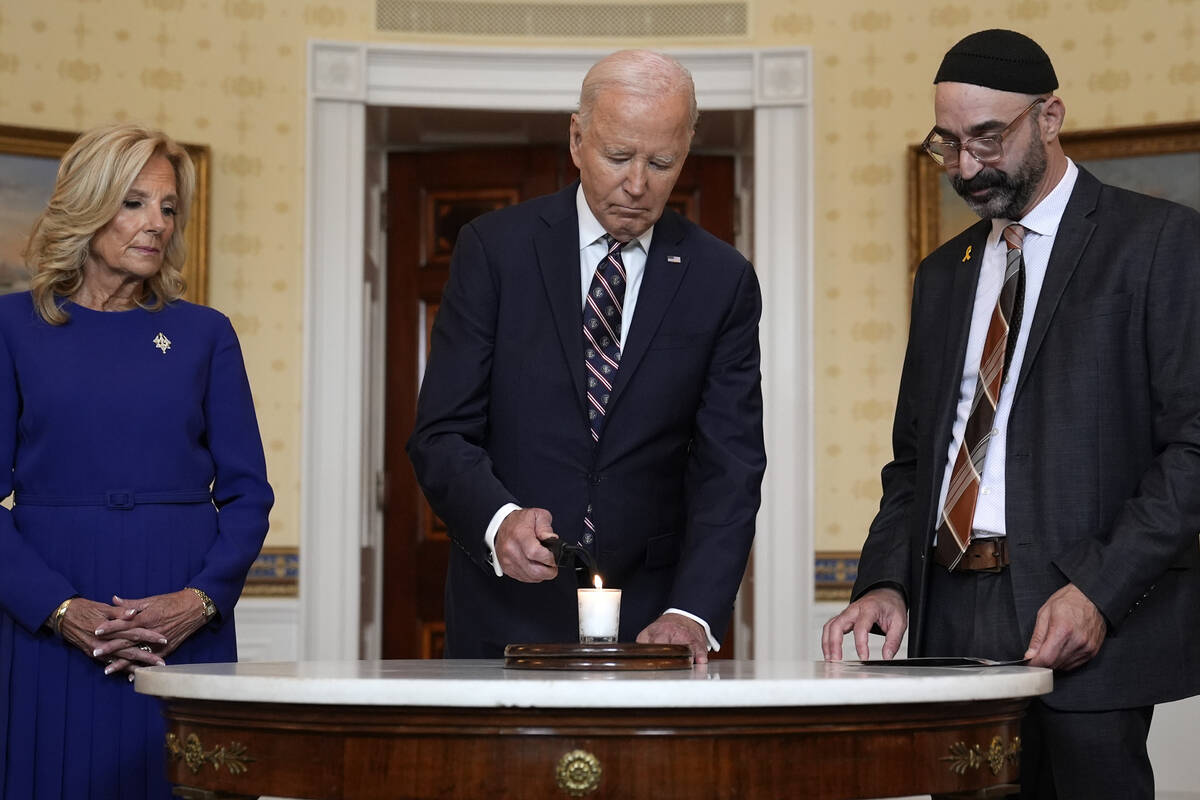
(1103, 472)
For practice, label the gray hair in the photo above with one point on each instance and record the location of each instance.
(640, 72)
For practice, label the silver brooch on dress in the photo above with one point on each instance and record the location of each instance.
(162, 342)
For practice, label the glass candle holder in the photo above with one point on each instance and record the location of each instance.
(599, 615)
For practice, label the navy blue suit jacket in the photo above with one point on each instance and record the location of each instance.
(1103, 471)
(673, 482)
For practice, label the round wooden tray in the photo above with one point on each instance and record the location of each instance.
(616, 656)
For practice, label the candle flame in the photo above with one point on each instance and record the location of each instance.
(599, 584)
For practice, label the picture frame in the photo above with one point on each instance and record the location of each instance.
(28, 164)
(1159, 160)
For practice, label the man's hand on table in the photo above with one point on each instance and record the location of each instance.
(677, 629)
(1068, 632)
(883, 607)
(519, 547)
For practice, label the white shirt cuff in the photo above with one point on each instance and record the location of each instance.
(489, 536)
(713, 644)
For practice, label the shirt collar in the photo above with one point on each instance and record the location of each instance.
(1044, 218)
(590, 229)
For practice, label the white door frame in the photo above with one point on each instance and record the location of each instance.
(336, 484)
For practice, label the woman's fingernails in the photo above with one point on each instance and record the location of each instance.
(162, 641)
(96, 653)
(99, 631)
(131, 677)
(108, 670)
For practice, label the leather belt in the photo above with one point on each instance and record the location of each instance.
(982, 555)
(116, 499)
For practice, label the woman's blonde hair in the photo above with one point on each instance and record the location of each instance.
(94, 178)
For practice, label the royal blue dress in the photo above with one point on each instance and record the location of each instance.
(130, 443)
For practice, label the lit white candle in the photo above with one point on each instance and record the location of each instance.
(599, 613)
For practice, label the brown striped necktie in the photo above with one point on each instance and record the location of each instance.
(958, 513)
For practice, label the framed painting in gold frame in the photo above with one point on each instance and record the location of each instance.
(1159, 160)
(28, 163)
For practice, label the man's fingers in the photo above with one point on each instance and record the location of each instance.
(862, 638)
(1047, 642)
(891, 642)
(883, 607)
(519, 546)
(542, 523)
(535, 551)
(831, 639)
(1049, 654)
(1038, 637)
(670, 629)
(834, 633)
(532, 562)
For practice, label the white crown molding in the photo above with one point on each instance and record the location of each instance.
(537, 80)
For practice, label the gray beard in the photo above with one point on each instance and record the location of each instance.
(1010, 193)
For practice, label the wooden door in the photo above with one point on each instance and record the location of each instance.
(431, 195)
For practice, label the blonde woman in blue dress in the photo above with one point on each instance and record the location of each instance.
(129, 443)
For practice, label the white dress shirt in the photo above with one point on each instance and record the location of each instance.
(1041, 225)
(592, 249)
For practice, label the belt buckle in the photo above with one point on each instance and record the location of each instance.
(997, 561)
(122, 501)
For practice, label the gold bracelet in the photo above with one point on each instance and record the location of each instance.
(57, 617)
(210, 608)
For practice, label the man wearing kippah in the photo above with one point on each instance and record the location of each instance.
(1043, 499)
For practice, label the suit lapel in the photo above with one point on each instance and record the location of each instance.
(557, 247)
(659, 283)
(960, 308)
(1074, 232)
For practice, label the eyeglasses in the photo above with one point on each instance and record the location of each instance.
(984, 149)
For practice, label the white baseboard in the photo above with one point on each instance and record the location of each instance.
(268, 628)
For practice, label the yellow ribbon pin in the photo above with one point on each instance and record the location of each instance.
(967, 255)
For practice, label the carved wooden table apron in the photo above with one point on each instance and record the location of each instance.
(480, 740)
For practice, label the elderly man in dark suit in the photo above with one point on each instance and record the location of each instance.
(1043, 500)
(594, 375)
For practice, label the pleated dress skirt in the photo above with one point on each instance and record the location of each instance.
(67, 730)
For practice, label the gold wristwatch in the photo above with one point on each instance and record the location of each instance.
(210, 610)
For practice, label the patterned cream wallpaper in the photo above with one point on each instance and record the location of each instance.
(231, 74)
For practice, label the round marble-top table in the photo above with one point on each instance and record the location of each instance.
(474, 729)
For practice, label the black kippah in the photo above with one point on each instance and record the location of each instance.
(999, 59)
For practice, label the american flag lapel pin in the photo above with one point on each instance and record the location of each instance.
(674, 260)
